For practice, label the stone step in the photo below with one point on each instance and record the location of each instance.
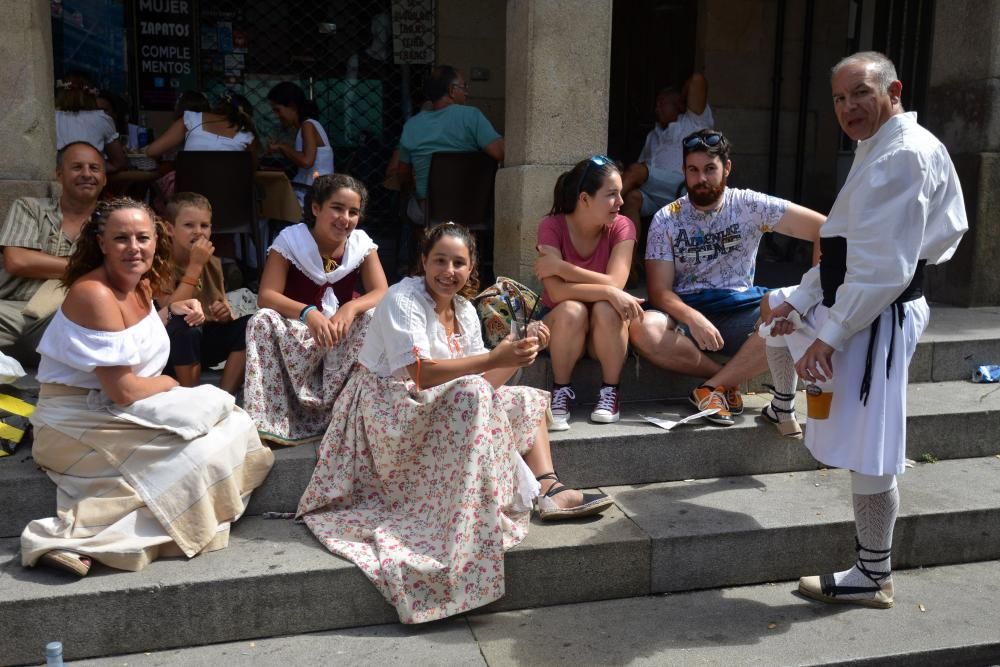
(275, 579)
(941, 617)
(946, 421)
(956, 341)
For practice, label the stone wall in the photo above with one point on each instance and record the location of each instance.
(27, 133)
(471, 35)
(736, 52)
(963, 110)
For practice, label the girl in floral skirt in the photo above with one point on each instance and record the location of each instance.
(428, 470)
(304, 341)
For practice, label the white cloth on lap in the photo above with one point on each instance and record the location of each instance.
(190, 412)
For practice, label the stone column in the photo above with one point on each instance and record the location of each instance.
(28, 131)
(963, 110)
(558, 76)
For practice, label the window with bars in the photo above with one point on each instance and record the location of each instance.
(340, 52)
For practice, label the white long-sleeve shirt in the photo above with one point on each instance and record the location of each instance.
(663, 149)
(901, 203)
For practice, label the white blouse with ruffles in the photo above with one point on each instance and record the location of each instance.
(70, 352)
(405, 324)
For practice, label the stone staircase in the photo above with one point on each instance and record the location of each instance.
(696, 508)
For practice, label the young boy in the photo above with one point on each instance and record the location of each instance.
(198, 275)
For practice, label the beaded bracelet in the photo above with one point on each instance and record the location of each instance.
(305, 313)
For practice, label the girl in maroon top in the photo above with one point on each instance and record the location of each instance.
(303, 342)
(585, 251)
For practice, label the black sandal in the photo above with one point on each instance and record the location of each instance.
(788, 427)
(826, 589)
(548, 510)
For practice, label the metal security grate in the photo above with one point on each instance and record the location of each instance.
(340, 52)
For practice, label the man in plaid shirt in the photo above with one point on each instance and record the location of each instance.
(36, 240)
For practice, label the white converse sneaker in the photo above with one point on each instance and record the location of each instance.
(606, 411)
(561, 404)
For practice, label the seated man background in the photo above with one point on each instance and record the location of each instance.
(700, 262)
(37, 238)
(654, 180)
(449, 126)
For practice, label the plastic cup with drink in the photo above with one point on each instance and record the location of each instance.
(819, 397)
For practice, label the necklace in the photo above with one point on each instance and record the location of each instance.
(330, 264)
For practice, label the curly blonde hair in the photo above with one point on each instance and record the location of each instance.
(434, 234)
(87, 255)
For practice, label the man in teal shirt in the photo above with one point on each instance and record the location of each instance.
(450, 126)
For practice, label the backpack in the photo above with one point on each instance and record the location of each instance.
(499, 303)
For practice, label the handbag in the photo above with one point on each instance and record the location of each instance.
(501, 302)
(46, 299)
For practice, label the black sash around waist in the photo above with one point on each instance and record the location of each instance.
(833, 269)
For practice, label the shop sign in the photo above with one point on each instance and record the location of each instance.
(165, 51)
(413, 31)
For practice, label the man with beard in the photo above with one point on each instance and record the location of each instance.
(36, 240)
(862, 310)
(700, 261)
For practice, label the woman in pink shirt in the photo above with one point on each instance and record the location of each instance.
(585, 251)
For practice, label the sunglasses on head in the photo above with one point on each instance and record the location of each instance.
(597, 161)
(707, 140)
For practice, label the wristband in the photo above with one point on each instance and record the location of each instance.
(305, 312)
(193, 282)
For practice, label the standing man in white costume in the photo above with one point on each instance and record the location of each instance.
(862, 310)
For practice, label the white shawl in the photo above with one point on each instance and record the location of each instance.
(297, 245)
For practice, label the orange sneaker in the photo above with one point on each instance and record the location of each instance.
(734, 399)
(705, 397)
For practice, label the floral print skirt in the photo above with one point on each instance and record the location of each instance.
(417, 488)
(291, 382)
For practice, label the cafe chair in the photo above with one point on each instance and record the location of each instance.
(226, 178)
(460, 188)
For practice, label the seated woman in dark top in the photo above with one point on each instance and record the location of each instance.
(303, 342)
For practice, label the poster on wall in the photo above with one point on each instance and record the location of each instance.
(413, 31)
(166, 53)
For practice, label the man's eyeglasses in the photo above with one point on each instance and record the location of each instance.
(463, 86)
(707, 140)
(597, 161)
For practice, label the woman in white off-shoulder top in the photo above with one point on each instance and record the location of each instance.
(134, 472)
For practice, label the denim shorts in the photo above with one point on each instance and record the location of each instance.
(735, 326)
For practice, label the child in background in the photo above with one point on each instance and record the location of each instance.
(312, 153)
(198, 275)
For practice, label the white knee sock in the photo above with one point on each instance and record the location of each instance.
(782, 366)
(874, 519)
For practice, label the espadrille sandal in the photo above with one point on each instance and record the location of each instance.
(825, 588)
(769, 413)
(548, 510)
(69, 561)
